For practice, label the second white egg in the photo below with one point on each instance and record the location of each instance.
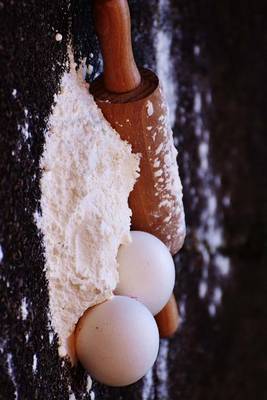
(146, 271)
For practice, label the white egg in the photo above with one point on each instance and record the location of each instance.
(117, 341)
(146, 271)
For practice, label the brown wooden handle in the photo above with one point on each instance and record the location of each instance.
(113, 26)
(168, 319)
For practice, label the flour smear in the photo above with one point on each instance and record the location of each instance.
(87, 175)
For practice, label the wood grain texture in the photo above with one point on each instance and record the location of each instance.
(113, 26)
(156, 208)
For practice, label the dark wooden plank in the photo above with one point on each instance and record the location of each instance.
(219, 55)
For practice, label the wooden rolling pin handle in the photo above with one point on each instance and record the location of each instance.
(113, 26)
(168, 319)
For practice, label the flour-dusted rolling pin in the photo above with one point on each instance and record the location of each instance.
(132, 101)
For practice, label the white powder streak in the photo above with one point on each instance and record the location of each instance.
(182, 309)
(1, 254)
(223, 264)
(51, 337)
(210, 233)
(217, 295)
(88, 172)
(202, 289)
(92, 395)
(149, 108)
(34, 363)
(165, 63)
(24, 129)
(10, 370)
(147, 385)
(197, 102)
(24, 308)
(88, 383)
(212, 310)
(162, 371)
(196, 50)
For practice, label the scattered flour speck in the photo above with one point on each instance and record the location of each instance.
(196, 50)
(149, 108)
(58, 37)
(1, 254)
(212, 310)
(202, 289)
(88, 383)
(92, 395)
(222, 264)
(34, 363)
(24, 308)
(217, 295)
(197, 102)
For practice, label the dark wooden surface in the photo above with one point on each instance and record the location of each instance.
(219, 53)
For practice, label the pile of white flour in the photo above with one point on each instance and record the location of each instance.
(88, 173)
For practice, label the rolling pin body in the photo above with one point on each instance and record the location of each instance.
(140, 117)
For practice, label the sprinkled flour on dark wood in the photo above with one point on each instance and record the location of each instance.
(214, 53)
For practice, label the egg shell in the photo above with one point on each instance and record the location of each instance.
(117, 341)
(146, 271)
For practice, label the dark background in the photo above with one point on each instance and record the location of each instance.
(218, 54)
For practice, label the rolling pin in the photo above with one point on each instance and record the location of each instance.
(133, 103)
